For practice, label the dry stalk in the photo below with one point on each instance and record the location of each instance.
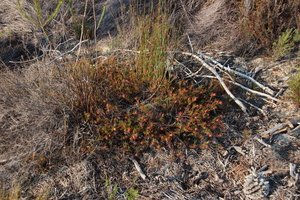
(82, 28)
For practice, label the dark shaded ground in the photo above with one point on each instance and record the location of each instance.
(17, 49)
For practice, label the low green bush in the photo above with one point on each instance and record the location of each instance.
(285, 43)
(294, 85)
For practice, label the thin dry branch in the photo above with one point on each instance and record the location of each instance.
(215, 73)
(247, 89)
(264, 88)
(138, 168)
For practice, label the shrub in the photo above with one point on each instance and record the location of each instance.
(265, 20)
(285, 43)
(127, 110)
(132, 194)
(294, 85)
(129, 102)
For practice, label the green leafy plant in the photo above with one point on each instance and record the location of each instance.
(101, 17)
(80, 24)
(38, 18)
(131, 194)
(111, 189)
(153, 42)
(285, 43)
(296, 37)
(81, 27)
(294, 85)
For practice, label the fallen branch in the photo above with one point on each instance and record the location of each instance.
(264, 88)
(262, 142)
(212, 70)
(247, 89)
(254, 91)
(274, 129)
(257, 108)
(138, 168)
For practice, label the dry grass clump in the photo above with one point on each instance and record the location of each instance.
(32, 122)
(13, 194)
(264, 20)
(11, 20)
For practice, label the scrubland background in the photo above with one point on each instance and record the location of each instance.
(95, 102)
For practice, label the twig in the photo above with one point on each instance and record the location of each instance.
(262, 142)
(264, 88)
(294, 174)
(247, 89)
(2, 162)
(138, 168)
(254, 91)
(211, 69)
(190, 43)
(239, 150)
(26, 61)
(185, 67)
(293, 170)
(296, 131)
(257, 108)
(273, 130)
(68, 52)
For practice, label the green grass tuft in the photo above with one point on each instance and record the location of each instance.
(285, 43)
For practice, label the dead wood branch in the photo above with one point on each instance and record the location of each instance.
(264, 88)
(257, 108)
(247, 89)
(215, 73)
(223, 75)
(138, 168)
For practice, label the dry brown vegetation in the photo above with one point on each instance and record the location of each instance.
(263, 21)
(98, 103)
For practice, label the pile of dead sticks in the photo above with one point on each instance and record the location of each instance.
(224, 75)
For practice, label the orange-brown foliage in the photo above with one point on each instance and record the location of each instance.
(129, 110)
